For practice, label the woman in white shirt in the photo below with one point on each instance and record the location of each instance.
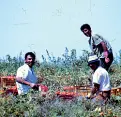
(101, 80)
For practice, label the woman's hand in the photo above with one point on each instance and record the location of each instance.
(107, 60)
(34, 86)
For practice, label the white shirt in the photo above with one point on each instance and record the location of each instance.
(102, 78)
(26, 73)
(94, 42)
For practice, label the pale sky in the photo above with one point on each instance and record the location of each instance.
(37, 25)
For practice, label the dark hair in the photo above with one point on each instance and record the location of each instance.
(31, 54)
(85, 26)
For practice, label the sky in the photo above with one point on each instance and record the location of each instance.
(37, 25)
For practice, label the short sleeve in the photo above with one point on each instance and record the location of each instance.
(97, 78)
(23, 73)
(97, 39)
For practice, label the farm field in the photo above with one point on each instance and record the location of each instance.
(57, 74)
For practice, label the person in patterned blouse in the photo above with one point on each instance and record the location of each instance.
(99, 46)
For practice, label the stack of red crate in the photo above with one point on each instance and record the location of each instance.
(8, 84)
(7, 81)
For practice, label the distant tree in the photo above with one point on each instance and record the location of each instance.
(73, 54)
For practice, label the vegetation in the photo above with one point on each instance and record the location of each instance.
(56, 73)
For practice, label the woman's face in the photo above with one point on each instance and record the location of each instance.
(92, 66)
(30, 60)
(87, 32)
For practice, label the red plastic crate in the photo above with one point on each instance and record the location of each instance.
(12, 90)
(7, 81)
(73, 91)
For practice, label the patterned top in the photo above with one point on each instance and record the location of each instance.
(95, 46)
